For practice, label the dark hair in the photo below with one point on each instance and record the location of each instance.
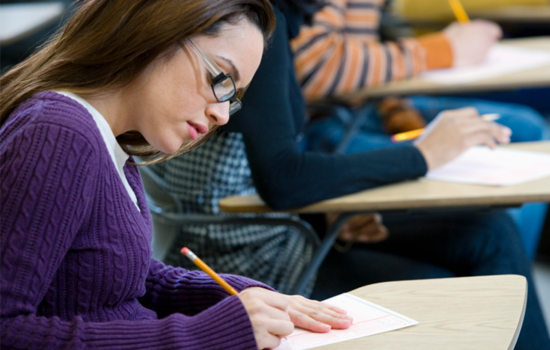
(107, 43)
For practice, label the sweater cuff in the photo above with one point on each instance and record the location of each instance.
(439, 53)
(240, 283)
(419, 161)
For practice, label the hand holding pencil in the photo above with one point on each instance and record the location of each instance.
(268, 311)
(454, 131)
(470, 41)
(273, 315)
(413, 134)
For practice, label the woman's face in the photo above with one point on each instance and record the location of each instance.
(173, 99)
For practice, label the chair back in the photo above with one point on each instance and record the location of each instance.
(159, 202)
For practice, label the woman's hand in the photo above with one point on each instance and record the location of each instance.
(269, 314)
(361, 228)
(471, 41)
(454, 131)
(274, 315)
(316, 316)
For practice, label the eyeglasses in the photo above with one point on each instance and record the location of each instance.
(223, 85)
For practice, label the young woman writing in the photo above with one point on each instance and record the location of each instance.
(125, 78)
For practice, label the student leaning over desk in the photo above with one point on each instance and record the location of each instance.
(259, 151)
(124, 78)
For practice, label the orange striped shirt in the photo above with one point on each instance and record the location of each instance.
(342, 52)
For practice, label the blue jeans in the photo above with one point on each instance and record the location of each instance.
(439, 245)
(526, 125)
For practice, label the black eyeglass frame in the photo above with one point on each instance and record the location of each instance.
(218, 78)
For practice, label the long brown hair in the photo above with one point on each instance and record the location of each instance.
(107, 43)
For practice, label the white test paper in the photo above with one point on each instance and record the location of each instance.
(501, 60)
(500, 167)
(368, 319)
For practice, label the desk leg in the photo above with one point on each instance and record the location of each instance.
(322, 252)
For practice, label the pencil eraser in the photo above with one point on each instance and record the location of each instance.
(184, 250)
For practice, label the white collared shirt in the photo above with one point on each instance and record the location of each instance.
(118, 156)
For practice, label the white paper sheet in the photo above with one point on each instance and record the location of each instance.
(499, 167)
(368, 319)
(501, 60)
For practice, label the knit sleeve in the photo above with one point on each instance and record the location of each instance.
(341, 51)
(47, 173)
(174, 289)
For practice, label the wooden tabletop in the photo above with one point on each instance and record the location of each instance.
(421, 193)
(474, 313)
(538, 77)
(20, 20)
(505, 14)
(515, 14)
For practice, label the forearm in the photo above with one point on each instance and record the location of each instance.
(224, 325)
(298, 179)
(174, 289)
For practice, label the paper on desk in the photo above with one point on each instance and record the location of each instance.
(368, 319)
(501, 60)
(500, 167)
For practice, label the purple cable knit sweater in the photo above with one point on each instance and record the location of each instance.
(76, 266)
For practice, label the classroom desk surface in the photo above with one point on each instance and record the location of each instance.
(538, 77)
(420, 193)
(20, 20)
(506, 14)
(472, 313)
(515, 14)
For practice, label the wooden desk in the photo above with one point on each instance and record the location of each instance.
(515, 14)
(20, 20)
(472, 313)
(421, 193)
(538, 77)
(507, 14)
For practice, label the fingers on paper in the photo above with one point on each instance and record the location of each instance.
(486, 133)
(268, 331)
(268, 315)
(490, 28)
(316, 316)
(279, 328)
(263, 296)
(266, 340)
(474, 130)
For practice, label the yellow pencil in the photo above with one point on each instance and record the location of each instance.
(189, 254)
(410, 135)
(459, 11)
